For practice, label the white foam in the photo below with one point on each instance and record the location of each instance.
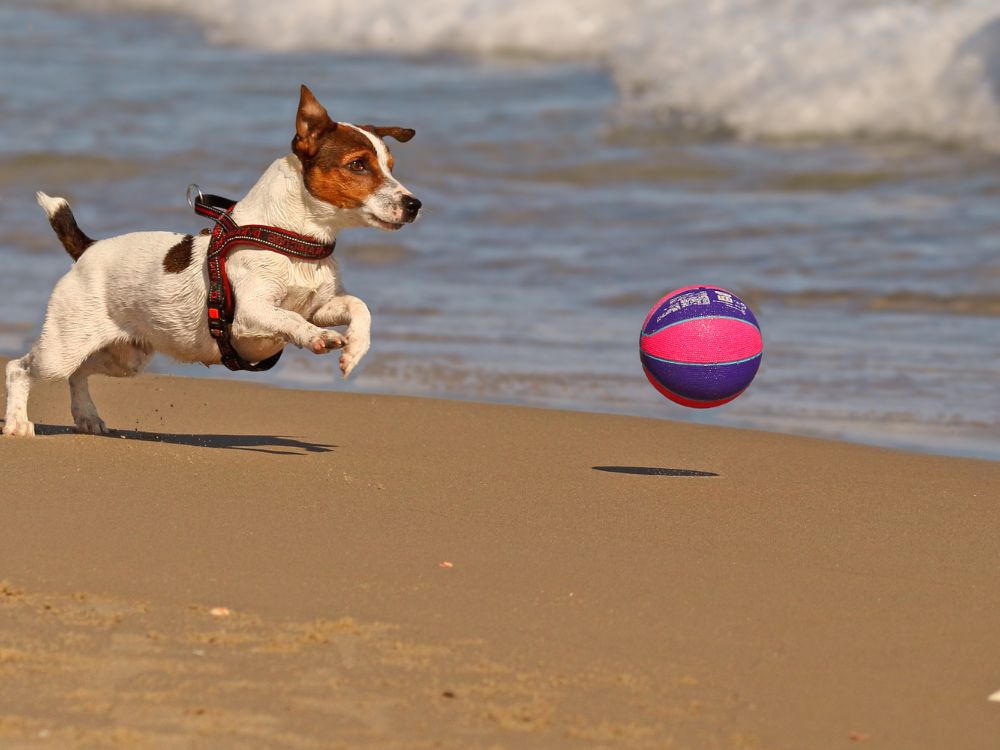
(845, 67)
(762, 68)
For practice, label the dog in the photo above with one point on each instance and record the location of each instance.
(130, 296)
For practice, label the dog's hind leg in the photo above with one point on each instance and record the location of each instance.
(36, 365)
(47, 360)
(121, 360)
(19, 378)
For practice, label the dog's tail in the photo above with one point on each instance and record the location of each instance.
(64, 224)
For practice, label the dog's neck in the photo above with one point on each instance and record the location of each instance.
(280, 199)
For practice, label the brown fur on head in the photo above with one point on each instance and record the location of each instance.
(392, 131)
(311, 123)
(339, 164)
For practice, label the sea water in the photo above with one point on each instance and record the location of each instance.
(837, 164)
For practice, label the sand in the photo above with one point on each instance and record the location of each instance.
(244, 566)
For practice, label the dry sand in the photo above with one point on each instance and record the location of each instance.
(812, 595)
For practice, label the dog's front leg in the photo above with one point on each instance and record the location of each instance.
(343, 309)
(259, 319)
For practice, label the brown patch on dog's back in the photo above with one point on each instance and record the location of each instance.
(70, 235)
(179, 256)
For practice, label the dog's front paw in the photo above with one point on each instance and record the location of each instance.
(327, 342)
(357, 347)
(19, 428)
(91, 424)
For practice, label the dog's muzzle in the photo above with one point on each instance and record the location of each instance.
(410, 208)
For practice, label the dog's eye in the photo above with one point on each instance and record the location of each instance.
(358, 165)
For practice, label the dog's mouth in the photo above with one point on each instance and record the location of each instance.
(390, 226)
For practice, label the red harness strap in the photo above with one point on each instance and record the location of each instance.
(227, 235)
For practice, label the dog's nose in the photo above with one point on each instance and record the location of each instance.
(410, 207)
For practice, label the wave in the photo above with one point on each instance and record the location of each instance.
(757, 68)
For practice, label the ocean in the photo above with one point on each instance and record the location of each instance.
(836, 164)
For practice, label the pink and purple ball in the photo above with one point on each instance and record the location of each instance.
(700, 346)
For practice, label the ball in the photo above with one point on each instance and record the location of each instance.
(700, 346)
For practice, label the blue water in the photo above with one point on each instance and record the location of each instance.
(556, 215)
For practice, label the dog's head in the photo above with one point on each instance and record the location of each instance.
(349, 166)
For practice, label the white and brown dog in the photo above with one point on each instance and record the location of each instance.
(129, 296)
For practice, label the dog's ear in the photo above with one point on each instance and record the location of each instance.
(311, 122)
(400, 134)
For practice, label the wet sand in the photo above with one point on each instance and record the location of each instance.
(414, 573)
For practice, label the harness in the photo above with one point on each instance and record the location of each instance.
(227, 235)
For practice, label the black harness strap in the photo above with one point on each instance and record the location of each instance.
(227, 235)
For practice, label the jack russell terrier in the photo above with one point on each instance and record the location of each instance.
(129, 296)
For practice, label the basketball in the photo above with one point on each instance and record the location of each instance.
(700, 346)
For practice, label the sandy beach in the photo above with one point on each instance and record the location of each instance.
(243, 566)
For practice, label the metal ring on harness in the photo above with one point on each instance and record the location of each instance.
(191, 199)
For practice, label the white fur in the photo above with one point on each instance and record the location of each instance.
(49, 204)
(118, 305)
(385, 204)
